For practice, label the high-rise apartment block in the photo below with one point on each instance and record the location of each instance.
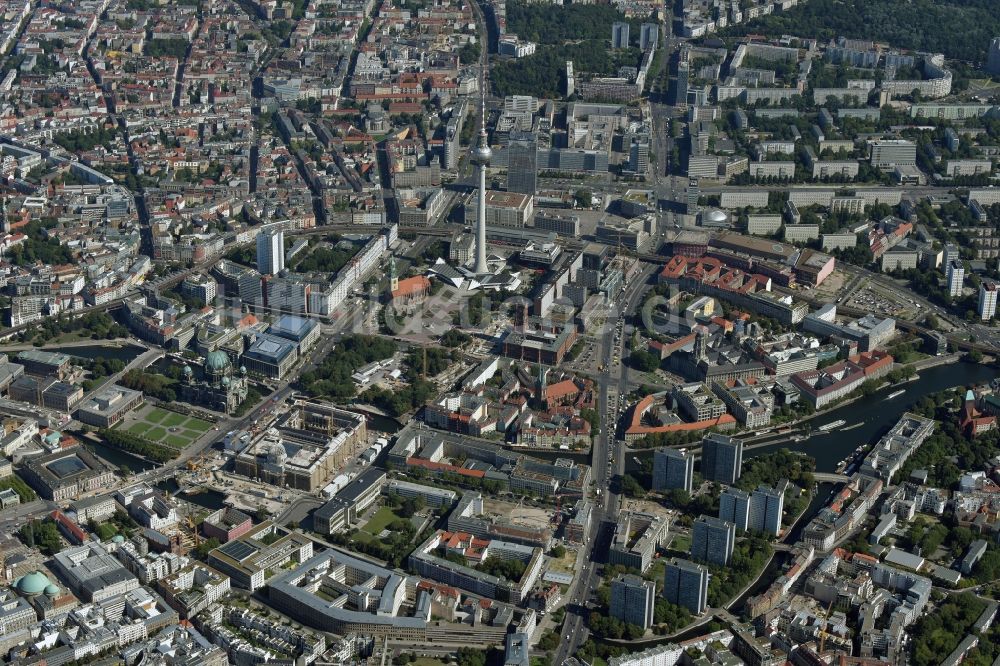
(766, 506)
(686, 584)
(619, 35)
(956, 278)
(632, 600)
(734, 506)
(721, 458)
(649, 36)
(993, 59)
(987, 300)
(951, 253)
(270, 251)
(712, 540)
(673, 470)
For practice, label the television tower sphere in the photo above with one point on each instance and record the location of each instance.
(482, 154)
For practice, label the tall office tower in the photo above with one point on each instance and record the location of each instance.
(993, 60)
(766, 506)
(673, 470)
(721, 458)
(686, 584)
(638, 156)
(270, 251)
(632, 600)
(649, 36)
(683, 80)
(693, 193)
(522, 163)
(987, 299)
(734, 507)
(481, 155)
(619, 35)
(712, 540)
(956, 278)
(570, 79)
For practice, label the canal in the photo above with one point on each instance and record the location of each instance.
(118, 458)
(203, 497)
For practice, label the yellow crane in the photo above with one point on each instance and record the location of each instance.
(826, 619)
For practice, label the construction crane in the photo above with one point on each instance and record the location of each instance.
(826, 619)
(194, 531)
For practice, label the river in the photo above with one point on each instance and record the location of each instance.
(875, 414)
(126, 353)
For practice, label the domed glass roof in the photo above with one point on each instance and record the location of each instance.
(32, 583)
(717, 216)
(216, 361)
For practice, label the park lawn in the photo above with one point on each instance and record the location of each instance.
(681, 544)
(177, 442)
(379, 521)
(156, 433)
(155, 415)
(173, 419)
(143, 429)
(428, 661)
(198, 425)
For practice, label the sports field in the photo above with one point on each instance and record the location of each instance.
(168, 428)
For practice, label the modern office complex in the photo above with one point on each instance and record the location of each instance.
(344, 508)
(250, 559)
(343, 594)
(522, 164)
(428, 560)
(92, 573)
(636, 538)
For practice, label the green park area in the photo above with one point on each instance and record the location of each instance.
(378, 522)
(168, 428)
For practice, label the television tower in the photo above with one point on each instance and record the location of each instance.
(481, 155)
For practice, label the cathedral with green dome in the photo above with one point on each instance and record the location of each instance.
(221, 389)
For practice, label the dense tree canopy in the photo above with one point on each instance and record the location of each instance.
(960, 29)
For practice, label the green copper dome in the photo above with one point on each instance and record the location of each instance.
(32, 583)
(216, 361)
(51, 590)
